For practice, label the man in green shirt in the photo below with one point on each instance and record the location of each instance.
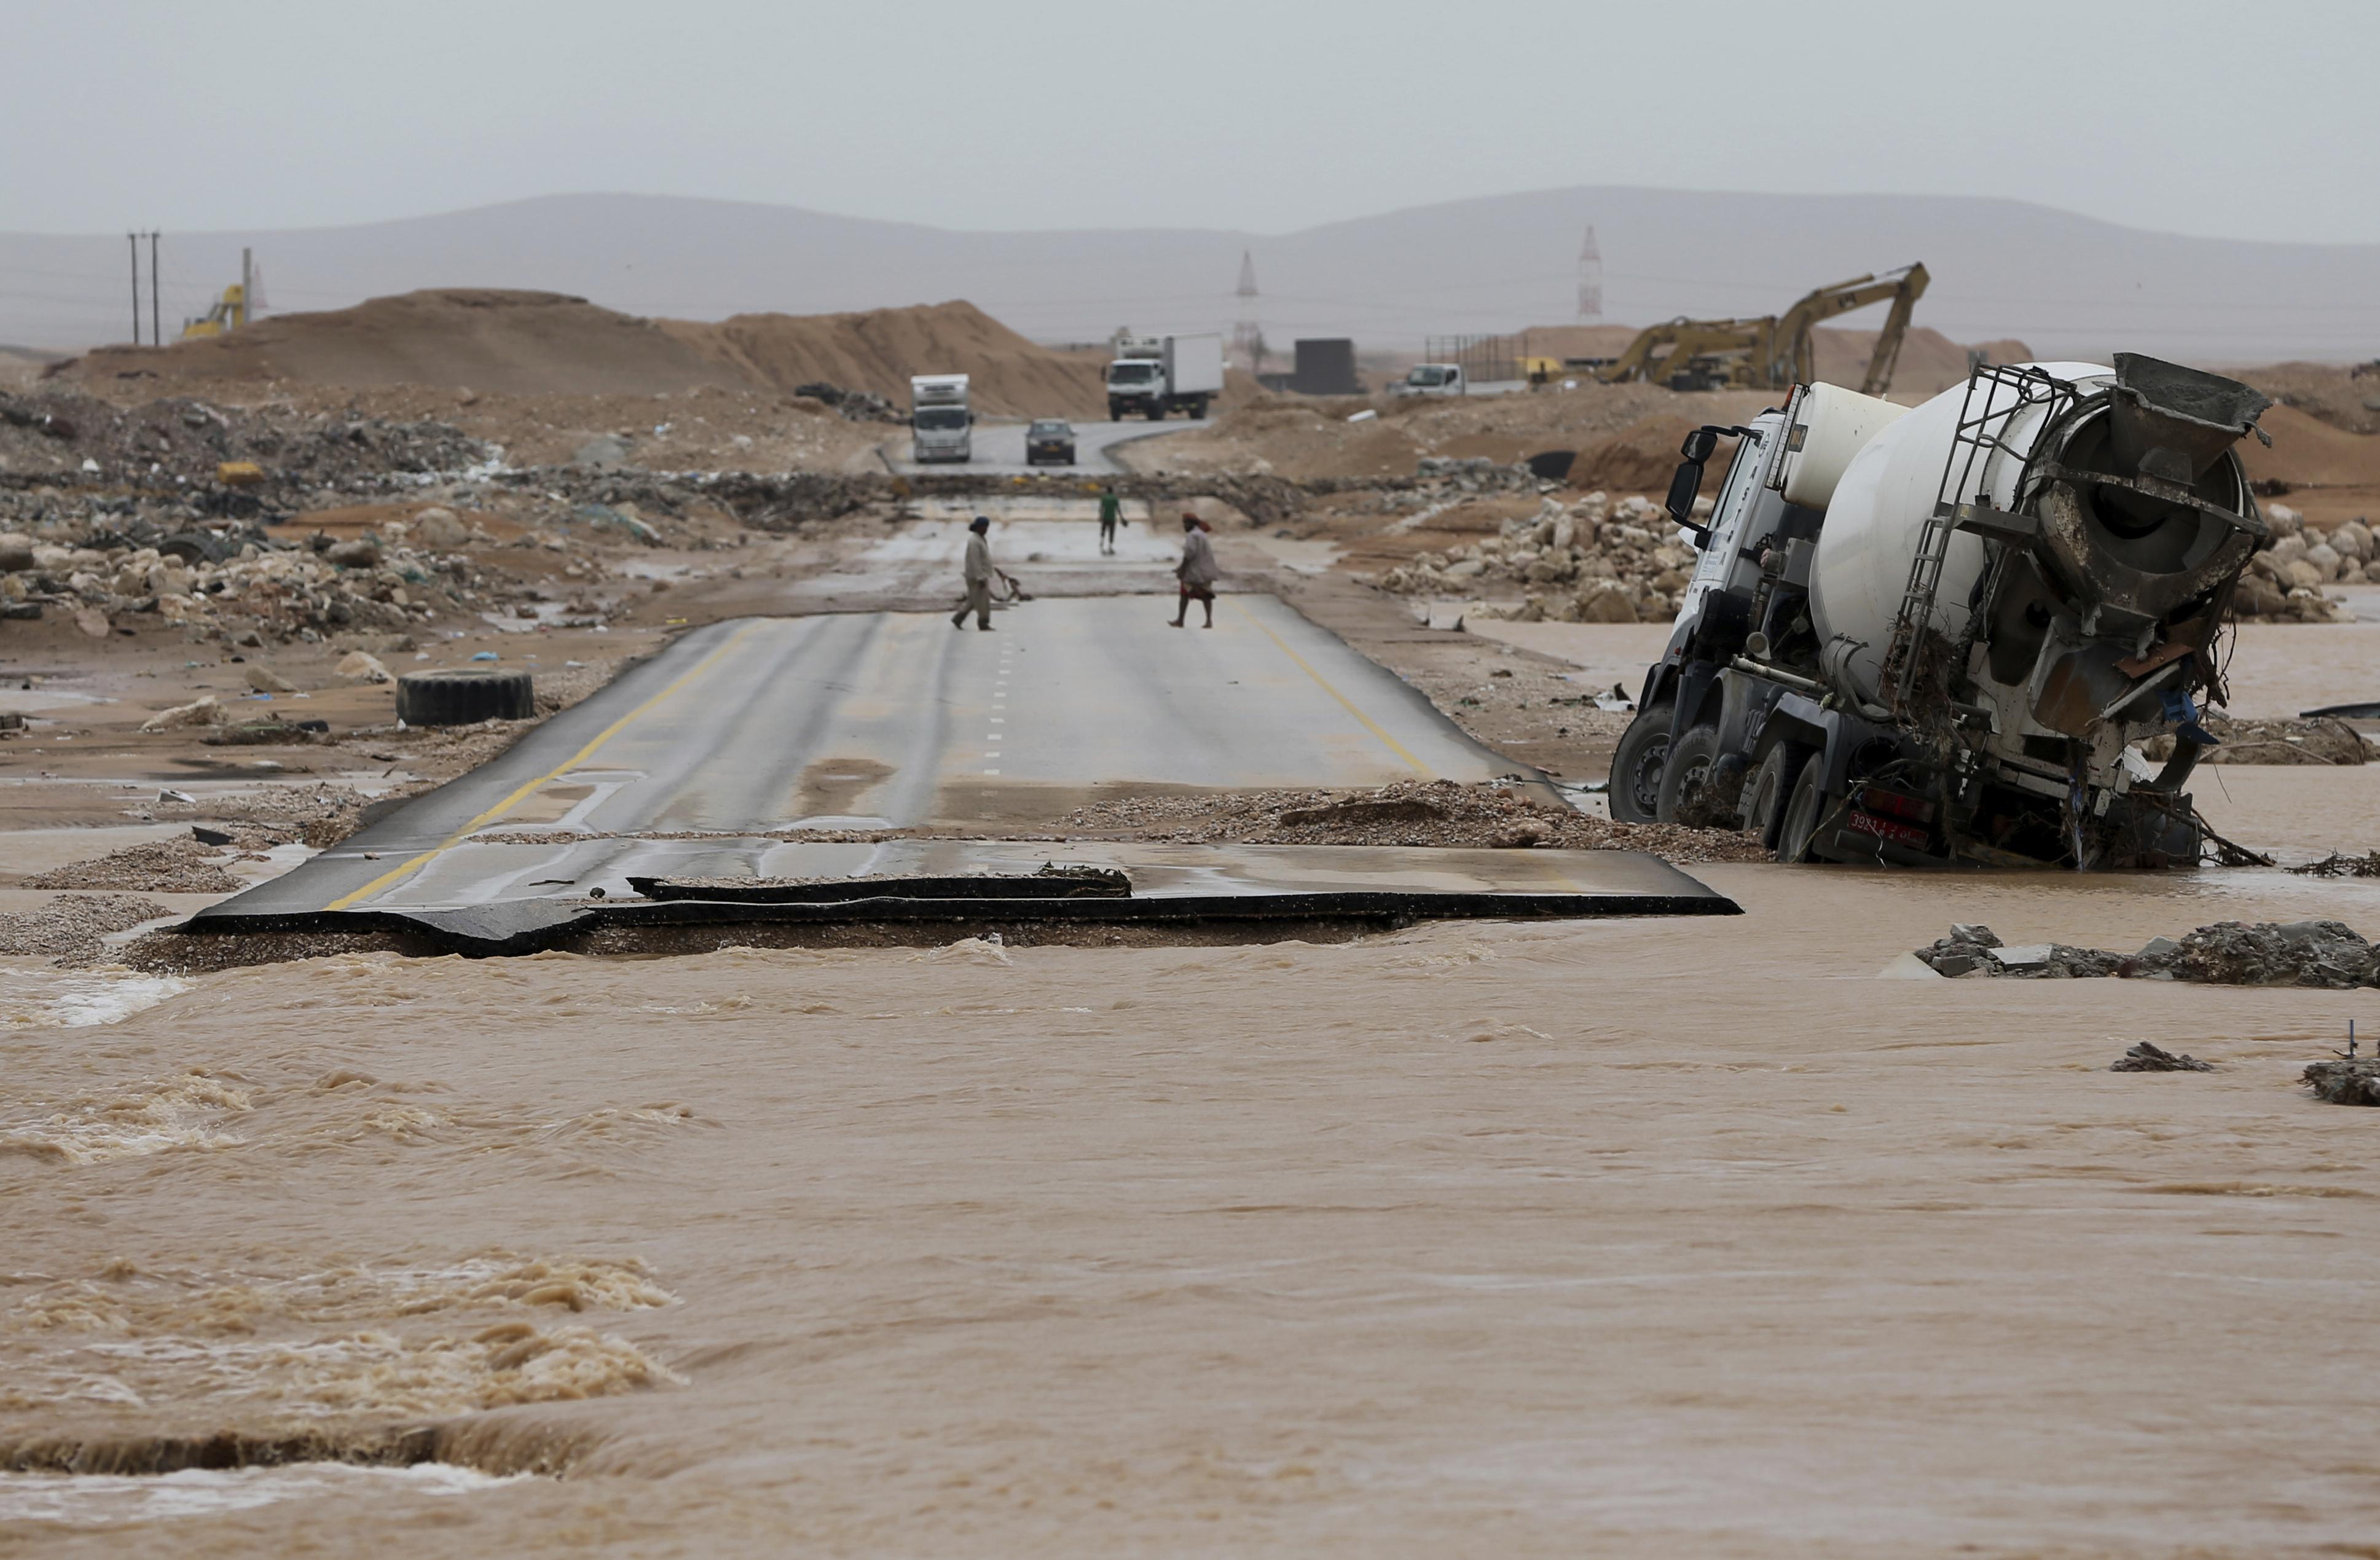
(1110, 512)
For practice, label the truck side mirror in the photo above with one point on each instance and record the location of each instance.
(1698, 447)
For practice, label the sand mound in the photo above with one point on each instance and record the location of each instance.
(880, 349)
(1639, 458)
(1930, 362)
(2308, 452)
(541, 344)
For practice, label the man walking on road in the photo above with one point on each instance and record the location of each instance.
(1197, 571)
(979, 571)
(1111, 511)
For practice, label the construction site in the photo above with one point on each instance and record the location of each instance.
(945, 927)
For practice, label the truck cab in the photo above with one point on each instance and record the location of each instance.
(1135, 384)
(942, 422)
(1713, 619)
(1432, 379)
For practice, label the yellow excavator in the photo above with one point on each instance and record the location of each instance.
(229, 313)
(1771, 351)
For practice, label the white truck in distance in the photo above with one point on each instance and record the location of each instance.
(941, 423)
(1154, 375)
(1432, 379)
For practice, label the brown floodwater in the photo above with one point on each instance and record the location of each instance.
(1643, 1237)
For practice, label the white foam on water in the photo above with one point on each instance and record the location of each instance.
(50, 999)
(105, 1500)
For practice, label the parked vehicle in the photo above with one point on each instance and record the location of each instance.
(941, 424)
(1154, 375)
(1050, 442)
(1941, 635)
(1432, 379)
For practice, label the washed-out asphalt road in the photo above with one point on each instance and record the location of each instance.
(878, 720)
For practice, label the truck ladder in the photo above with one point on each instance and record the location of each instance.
(1980, 435)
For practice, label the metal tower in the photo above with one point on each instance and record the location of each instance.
(1247, 336)
(1590, 281)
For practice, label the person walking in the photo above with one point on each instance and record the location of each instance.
(1196, 571)
(979, 572)
(1111, 511)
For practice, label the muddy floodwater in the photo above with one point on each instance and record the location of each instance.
(1648, 1237)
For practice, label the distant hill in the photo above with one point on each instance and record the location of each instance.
(2069, 285)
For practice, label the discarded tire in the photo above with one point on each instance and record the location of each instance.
(460, 697)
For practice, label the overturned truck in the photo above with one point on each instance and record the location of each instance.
(1940, 635)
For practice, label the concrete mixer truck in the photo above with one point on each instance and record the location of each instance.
(1942, 634)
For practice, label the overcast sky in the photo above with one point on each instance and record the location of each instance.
(2230, 119)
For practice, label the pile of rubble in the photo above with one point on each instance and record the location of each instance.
(2309, 953)
(239, 586)
(1435, 813)
(184, 865)
(181, 441)
(1594, 561)
(852, 405)
(2285, 575)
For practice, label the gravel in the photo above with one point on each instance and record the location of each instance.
(70, 927)
(159, 866)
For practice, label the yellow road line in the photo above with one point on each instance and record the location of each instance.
(1392, 743)
(501, 808)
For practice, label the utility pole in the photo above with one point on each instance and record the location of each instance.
(1247, 337)
(156, 324)
(247, 286)
(1590, 281)
(134, 239)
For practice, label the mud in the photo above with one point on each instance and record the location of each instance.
(1511, 1239)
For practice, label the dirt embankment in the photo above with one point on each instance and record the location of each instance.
(531, 343)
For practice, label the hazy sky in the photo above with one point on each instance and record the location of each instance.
(2230, 119)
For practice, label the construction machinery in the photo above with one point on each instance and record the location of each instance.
(229, 313)
(1947, 632)
(1771, 351)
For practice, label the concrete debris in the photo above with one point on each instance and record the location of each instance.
(264, 679)
(2149, 1056)
(202, 711)
(2325, 954)
(1594, 561)
(360, 666)
(2344, 1081)
(2285, 577)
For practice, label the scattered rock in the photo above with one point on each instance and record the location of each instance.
(2325, 954)
(359, 666)
(202, 711)
(264, 679)
(93, 622)
(2344, 1082)
(2149, 1056)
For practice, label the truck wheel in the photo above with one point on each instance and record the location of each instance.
(1115, 411)
(1634, 789)
(1198, 407)
(1772, 784)
(1157, 411)
(461, 697)
(1802, 811)
(1691, 759)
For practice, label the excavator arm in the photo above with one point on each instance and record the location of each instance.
(1792, 357)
